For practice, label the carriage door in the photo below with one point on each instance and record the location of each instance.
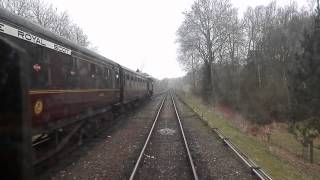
(15, 120)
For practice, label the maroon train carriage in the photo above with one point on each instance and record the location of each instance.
(62, 83)
(150, 83)
(67, 81)
(135, 85)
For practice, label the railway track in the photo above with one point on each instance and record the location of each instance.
(257, 171)
(183, 158)
(140, 148)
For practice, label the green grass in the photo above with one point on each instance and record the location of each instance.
(287, 141)
(278, 168)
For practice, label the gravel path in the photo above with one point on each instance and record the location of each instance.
(213, 160)
(165, 156)
(112, 154)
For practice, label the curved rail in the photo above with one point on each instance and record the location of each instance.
(185, 140)
(147, 141)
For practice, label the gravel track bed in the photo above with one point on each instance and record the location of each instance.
(213, 160)
(112, 154)
(165, 156)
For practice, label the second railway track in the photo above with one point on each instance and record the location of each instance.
(165, 154)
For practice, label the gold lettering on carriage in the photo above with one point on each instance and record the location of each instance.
(6, 29)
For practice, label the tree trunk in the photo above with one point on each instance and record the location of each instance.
(209, 69)
(311, 151)
(214, 85)
(209, 77)
(207, 82)
(193, 73)
(304, 151)
(259, 75)
(258, 68)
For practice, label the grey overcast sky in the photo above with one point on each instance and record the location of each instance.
(139, 33)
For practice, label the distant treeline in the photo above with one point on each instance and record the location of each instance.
(265, 65)
(245, 63)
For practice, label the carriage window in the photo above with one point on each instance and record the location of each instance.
(92, 70)
(127, 80)
(132, 81)
(39, 68)
(117, 79)
(128, 84)
(83, 74)
(135, 81)
(113, 78)
(107, 78)
(92, 76)
(59, 69)
(99, 79)
(72, 78)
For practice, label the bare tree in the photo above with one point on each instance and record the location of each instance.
(60, 24)
(49, 17)
(78, 36)
(42, 13)
(19, 7)
(190, 61)
(206, 26)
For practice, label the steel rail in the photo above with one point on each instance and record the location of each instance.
(147, 141)
(185, 140)
(258, 171)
